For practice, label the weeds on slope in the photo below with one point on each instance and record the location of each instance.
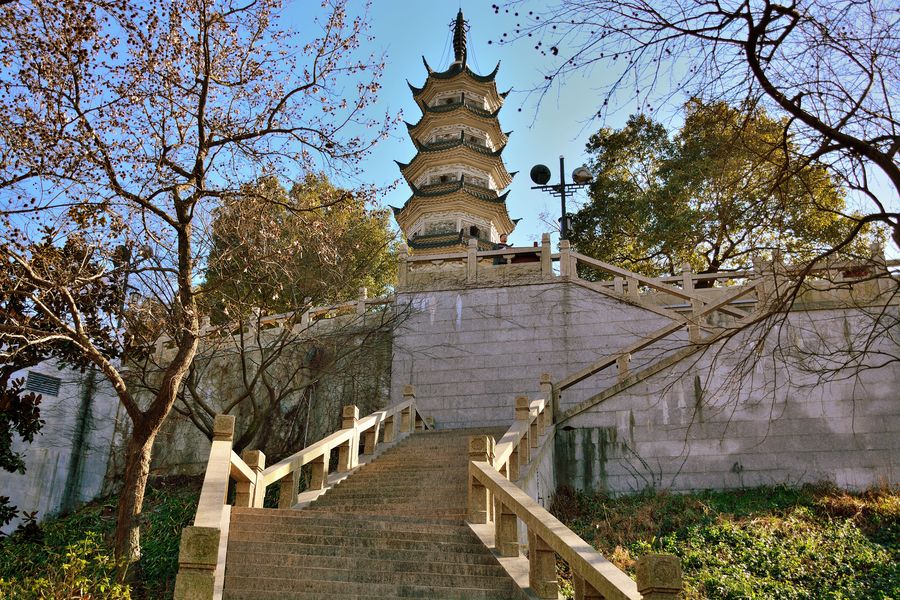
(813, 542)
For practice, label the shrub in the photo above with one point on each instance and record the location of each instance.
(84, 572)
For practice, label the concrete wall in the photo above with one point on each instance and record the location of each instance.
(470, 351)
(736, 416)
(67, 461)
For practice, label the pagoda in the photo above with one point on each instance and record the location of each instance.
(457, 176)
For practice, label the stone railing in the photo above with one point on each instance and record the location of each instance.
(678, 293)
(297, 321)
(477, 263)
(493, 496)
(201, 558)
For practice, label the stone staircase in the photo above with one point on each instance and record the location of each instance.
(394, 529)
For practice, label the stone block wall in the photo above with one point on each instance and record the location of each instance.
(735, 416)
(470, 351)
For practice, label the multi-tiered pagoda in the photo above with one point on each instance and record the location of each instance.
(457, 174)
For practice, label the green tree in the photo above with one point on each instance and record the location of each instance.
(721, 190)
(284, 250)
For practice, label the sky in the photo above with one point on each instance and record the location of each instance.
(406, 31)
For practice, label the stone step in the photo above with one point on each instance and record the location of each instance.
(385, 541)
(328, 516)
(306, 551)
(312, 573)
(392, 494)
(265, 561)
(457, 516)
(264, 523)
(263, 588)
(325, 533)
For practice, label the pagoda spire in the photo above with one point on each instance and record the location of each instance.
(457, 176)
(460, 27)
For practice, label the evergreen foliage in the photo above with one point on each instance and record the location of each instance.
(726, 186)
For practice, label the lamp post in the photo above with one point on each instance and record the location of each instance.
(581, 177)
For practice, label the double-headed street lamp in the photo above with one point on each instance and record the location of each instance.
(540, 174)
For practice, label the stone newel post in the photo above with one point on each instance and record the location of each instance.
(481, 449)
(659, 577)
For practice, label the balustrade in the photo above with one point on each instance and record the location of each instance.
(493, 496)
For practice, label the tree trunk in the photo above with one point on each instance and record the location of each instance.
(131, 500)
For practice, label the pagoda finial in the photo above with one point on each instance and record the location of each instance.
(460, 27)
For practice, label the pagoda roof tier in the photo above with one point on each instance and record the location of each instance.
(453, 143)
(458, 115)
(446, 189)
(468, 106)
(463, 80)
(457, 153)
(459, 69)
(490, 209)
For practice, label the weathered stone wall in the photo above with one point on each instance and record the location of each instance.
(348, 356)
(67, 461)
(735, 417)
(470, 351)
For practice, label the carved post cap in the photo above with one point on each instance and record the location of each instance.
(473, 243)
(565, 244)
(199, 547)
(481, 448)
(404, 250)
(685, 267)
(523, 410)
(223, 428)
(409, 390)
(659, 576)
(255, 459)
(545, 378)
(351, 411)
(545, 238)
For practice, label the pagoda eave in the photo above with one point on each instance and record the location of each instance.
(418, 207)
(456, 155)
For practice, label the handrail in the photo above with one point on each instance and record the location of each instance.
(493, 470)
(592, 566)
(622, 358)
(398, 420)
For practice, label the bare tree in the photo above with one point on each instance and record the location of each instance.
(828, 67)
(271, 373)
(126, 123)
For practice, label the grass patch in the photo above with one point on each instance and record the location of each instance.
(49, 554)
(813, 542)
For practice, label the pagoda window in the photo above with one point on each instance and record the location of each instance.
(445, 178)
(440, 227)
(476, 139)
(442, 137)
